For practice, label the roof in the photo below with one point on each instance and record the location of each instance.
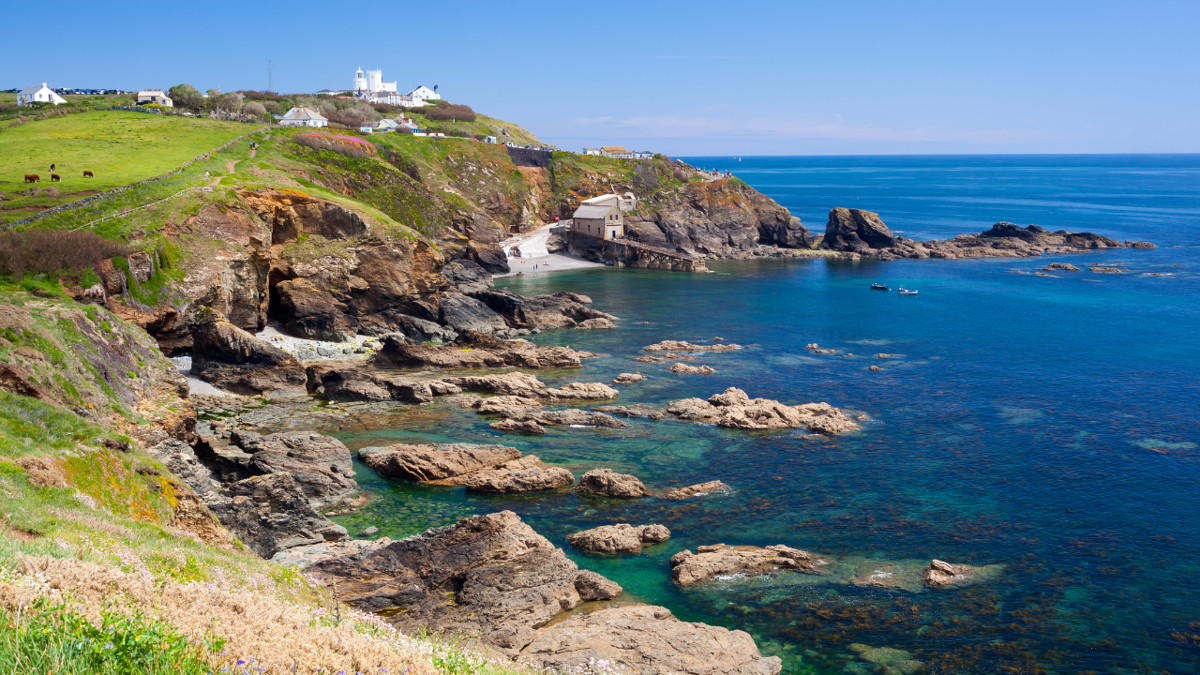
(597, 201)
(151, 92)
(614, 148)
(303, 114)
(33, 89)
(594, 211)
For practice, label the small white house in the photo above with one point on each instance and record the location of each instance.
(601, 221)
(36, 94)
(155, 96)
(303, 117)
(386, 124)
(625, 202)
(592, 151)
(423, 93)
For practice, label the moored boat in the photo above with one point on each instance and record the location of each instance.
(904, 291)
(879, 287)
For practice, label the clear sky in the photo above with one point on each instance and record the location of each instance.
(685, 78)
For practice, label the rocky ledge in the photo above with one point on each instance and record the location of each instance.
(736, 410)
(862, 232)
(619, 538)
(495, 578)
(688, 569)
(681, 346)
(607, 483)
(697, 490)
(481, 468)
(471, 350)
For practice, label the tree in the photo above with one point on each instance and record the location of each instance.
(186, 96)
(254, 108)
(230, 103)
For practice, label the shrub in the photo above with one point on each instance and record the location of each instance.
(254, 108)
(450, 111)
(52, 251)
(345, 145)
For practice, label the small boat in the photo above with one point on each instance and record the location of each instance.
(904, 291)
(879, 287)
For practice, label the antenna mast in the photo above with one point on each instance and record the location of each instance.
(270, 78)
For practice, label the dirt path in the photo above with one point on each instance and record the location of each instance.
(231, 165)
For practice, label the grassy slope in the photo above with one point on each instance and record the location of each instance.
(118, 147)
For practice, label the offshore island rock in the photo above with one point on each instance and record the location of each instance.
(619, 538)
(689, 568)
(697, 490)
(606, 483)
(735, 409)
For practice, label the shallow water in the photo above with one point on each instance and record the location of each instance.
(1049, 424)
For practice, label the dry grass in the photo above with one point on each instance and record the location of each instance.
(280, 636)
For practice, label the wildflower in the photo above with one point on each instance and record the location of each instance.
(241, 662)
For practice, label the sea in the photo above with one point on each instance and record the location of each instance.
(1048, 425)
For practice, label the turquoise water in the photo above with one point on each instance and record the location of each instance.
(1049, 424)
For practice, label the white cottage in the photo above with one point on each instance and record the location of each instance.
(36, 94)
(155, 96)
(602, 221)
(303, 117)
(423, 93)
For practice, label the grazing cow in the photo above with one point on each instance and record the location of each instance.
(88, 174)
(54, 178)
(32, 178)
(52, 166)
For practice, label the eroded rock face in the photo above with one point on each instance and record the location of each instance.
(270, 514)
(320, 465)
(490, 576)
(233, 359)
(473, 350)
(689, 568)
(619, 538)
(856, 231)
(607, 483)
(435, 462)
(648, 640)
(697, 490)
(735, 409)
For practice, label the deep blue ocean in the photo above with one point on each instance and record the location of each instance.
(1049, 424)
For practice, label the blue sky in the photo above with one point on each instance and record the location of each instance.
(685, 78)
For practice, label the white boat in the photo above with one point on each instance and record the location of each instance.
(904, 291)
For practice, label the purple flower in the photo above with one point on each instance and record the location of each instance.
(241, 662)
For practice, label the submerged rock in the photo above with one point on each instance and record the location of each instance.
(647, 640)
(607, 483)
(689, 568)
(735, 409)
(697, 490)
(941, 574)
(619, 538)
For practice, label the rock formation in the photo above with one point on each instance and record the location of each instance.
(472, 350)
(606, 483)
(689, 568)
(734, 409)
(684, 368)
(235, 360)
(619, 538)
(435, 462)
(525, 475)
(680, 346)
(629, 378)
(635, 410)
(697, 490)
(270, 514)
(941, 574)
(856, 231)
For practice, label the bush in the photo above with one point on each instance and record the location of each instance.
(254, 108)
(53, 251)
(345, 145)
(449, 111)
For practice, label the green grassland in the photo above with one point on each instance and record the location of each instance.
(118, 147)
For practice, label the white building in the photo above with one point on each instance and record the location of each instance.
(303, 117)
(601, 221)
(423, 93)
(36, 94)
(155, 96)
(592, 151)
(625, 202)
(372, 82)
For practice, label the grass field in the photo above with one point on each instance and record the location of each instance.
(118, 147)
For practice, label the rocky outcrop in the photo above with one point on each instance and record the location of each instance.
(593, 586)
(435, 462)
(526, 475)
(736, 410)
(235, 360)
(490, 576)
(856, 231)
(619, 538)
(689, 568)
(697, 490)
(270, 514)
(683, 346)
(579, 418)
(596, 324)
(472, 350)
(785, 235)
(580, 391)
(942, 574)
(635, 410)
(347, 384)
(320, 465)
(648, 640)
(506, 384)
(607, 483)
(685, 369)
(525, 426)
(629, 378)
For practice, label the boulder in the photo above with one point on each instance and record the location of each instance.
(527, 426)
(647, 640)
(514, 383)
(530, 476)
(435, 462)
(619, 538)
(489, 576)
(689, 568)
(321, 466)
(606, 483)
(942, 574)
(735, 409)
(592, 586)
(573, 417)
(697, 490)
(508, 406)
(270, 514)
(629, 378)
(856, 231)
(580, 391)
(595, 324)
